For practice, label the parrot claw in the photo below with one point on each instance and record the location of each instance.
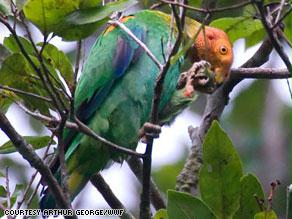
(183, 77)
(149, 130)
(199, 77)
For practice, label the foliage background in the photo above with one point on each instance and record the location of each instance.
(257, 119)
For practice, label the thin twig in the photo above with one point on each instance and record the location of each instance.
(81, 127)
(274, 40)
(32, 64)
(281, 7)
(157, 200)
(202, 10)
(29, 201)
(100, 184)
(47, 73)
(61, 155)
(48, 121)
(15, 90)
(282, 18)
(261, 73)
(7, 188)
(77, 63)
(19, 203)
(156, 5)
(2, 207)
(35, 161)
(147, 159)
(32, 178)
(86, 130)
(139, 42)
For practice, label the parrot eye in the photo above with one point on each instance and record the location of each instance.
(223, 50)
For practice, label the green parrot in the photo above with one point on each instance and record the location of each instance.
(115, 91)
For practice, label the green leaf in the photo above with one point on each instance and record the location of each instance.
(238, 27)
(220, 174)
(235, 12)
(83, 22)
(18, 189)
(20, 3)
(6, 99)
(92, 15)
(4, 52)
(36, 142)
(266, 215)
(10, 43)
(58, 60)
(165, 176)
(250, 186)
(71, 32)
(255, 38)
(287, 30)
(89, 3)
(184, 206)
(71, 20)
(17, 73)
(5, 7)
(3, 192)
(239, 115)
(161, 214)
(47, 13)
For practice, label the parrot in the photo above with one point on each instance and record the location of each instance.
(114, 93)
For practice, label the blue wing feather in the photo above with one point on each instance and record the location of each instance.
(127, 52)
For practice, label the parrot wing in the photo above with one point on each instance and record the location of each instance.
(106, 64)
(104, 75)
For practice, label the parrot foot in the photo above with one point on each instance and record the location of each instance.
(150, 130)
(200, 73)
(198, 77)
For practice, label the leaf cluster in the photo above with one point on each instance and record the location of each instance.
(225, 192)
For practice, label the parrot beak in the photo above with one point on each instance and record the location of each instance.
(221, 74)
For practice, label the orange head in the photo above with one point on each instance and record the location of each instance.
(214, 46)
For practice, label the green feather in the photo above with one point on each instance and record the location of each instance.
(126, 107)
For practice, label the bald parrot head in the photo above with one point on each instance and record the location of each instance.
(214, 46)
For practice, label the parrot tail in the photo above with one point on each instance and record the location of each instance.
(76, 183)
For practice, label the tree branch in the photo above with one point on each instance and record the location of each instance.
(25, 193)
(272, 35)
(136, 166)
(260, 73)
(61, 156)
(78, 126)
(15, 90)
(203, 10)
(139, 42)
(32, 64)
(100, 184)
(187, 180)
(86, 130)
(147, 159)
(35, 161)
